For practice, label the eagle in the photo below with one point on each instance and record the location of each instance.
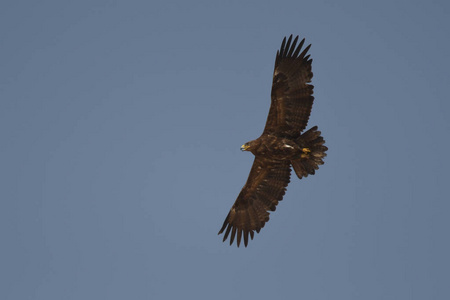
(281, 146)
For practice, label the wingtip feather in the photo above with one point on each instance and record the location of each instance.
(302, 55)
(291, 50)
(288, 45)
(233, 234)
(283, 43)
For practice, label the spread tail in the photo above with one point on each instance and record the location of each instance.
(313, 153)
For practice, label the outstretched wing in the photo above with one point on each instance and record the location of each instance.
(264, 188)
(291, 94)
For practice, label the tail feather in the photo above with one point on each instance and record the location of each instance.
(309, 162)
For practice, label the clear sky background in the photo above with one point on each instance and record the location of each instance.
(121, 122)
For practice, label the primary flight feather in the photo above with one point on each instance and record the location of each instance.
(280, 146)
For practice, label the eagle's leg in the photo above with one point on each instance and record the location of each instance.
(313, 152)
(305, 152)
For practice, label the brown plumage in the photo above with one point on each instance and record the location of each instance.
(280, 146)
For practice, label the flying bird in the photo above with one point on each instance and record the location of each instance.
(280, 146)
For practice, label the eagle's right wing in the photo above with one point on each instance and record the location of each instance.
(264, 188)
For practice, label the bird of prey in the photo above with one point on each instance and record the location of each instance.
(280, 146)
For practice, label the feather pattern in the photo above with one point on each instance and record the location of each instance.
(291, 95)
(263, 190)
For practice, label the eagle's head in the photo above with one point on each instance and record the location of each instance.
(250, 146)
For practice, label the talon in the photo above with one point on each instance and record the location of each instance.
(305, 153)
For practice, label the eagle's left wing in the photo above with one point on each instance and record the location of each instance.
(292, 98)
(264, 188)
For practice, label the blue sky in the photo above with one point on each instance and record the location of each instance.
(121, 122)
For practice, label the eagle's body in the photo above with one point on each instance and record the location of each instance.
(274, 147)
(280, 146)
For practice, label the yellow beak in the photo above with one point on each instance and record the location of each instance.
(244, 147)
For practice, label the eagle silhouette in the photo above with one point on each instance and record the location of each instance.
(280, 146)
